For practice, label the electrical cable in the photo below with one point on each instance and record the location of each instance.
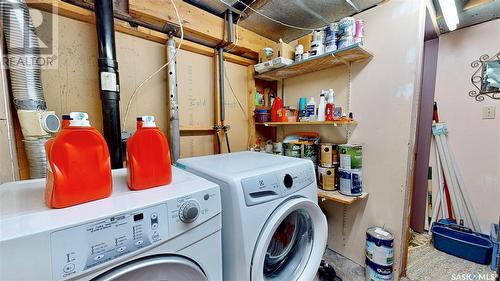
(136, 90)
(236, 97)
(271, 19)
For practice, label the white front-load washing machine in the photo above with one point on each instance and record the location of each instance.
(272, 227)
(170, 232)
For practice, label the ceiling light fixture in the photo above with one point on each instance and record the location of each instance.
(449, 10)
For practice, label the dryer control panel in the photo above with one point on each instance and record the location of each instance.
(270, 186)
(85, 246)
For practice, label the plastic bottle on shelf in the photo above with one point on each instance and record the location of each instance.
(311, 109)
(148, 157)
(321, 106)
(330, 106)
(79, 166)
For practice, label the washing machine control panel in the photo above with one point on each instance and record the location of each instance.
(83, 247)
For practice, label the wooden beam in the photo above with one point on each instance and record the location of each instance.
(476, 3)
(81, 14)
(198, 24)
(251, 104)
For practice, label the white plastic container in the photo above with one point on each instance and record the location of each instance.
(321, 106)
(311, 109)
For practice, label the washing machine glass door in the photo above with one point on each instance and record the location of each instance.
(162, 267)
(292, 242)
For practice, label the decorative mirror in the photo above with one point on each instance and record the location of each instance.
(486, 78)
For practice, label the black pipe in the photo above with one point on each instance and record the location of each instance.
(230, 26)
(221, 85)
(109, 80)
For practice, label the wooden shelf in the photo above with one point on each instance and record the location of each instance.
(332, 123)
(335, 196)
(353, 53)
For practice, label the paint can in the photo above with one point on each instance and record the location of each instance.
(375, 272)
(278, 148)
(326, 156)
(331, 33)
(293, 149)
(347, 27)
(318, 35)
(350, 182)
(327, 178)
(345, 42)
(317, 48)
(310, 151)
(380, 246)
(269, 146)
(351, 156)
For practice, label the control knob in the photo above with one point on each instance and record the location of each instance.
(288, 181)
(189, 211)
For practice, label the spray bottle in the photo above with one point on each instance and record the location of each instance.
(322, 106)
(330, 106)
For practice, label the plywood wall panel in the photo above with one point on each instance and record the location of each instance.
(73, 85)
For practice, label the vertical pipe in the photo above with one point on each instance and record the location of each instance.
(230, 26)
(174, 135)
(221, 85)
(109, 80)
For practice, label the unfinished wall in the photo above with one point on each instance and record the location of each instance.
(384, 97)
(73, 86)
(474, 141)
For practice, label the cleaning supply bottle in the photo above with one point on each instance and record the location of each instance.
(302, 107)
(79, 166)
(65, 121)
(276, 109)
(148, 157)
(139, 122)
(311, 109)
(321, 107)
(330, 106)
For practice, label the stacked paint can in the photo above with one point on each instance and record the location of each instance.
(328, 167)
(350, 174)
(379, 254)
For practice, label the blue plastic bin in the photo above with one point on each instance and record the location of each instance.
(462, 242)
(495, 253)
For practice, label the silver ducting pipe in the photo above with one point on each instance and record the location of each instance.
(174, 134)
(22, 46)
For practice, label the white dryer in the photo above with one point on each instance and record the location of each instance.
(171, 232)
(273, 228)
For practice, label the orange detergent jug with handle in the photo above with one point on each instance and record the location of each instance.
(148, 157)
(79, 166)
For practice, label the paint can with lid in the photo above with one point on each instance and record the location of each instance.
(375, 272)
(351, 156)
(293, 149)
(317, 48)
(331, 33)
(327, 178)
(310, 151)
(380, 246)
(328, 155)
(350, 182)
(347, 27)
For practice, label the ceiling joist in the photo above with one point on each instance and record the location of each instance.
(85, 15)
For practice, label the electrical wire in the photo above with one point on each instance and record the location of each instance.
(234, 95)
(271, 19)
(136, 90)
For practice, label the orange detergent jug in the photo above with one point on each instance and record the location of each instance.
(148, 157)
(79, 166)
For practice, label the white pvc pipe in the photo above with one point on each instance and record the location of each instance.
(456, 190)
(454, 201)
(465, 196)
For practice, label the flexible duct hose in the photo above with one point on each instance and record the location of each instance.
(22, 45)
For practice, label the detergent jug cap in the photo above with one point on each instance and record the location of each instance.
(148, 122)
(79, 119)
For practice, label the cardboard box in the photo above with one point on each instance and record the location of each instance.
(306, 42)
(263, 57)
(284, 50)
